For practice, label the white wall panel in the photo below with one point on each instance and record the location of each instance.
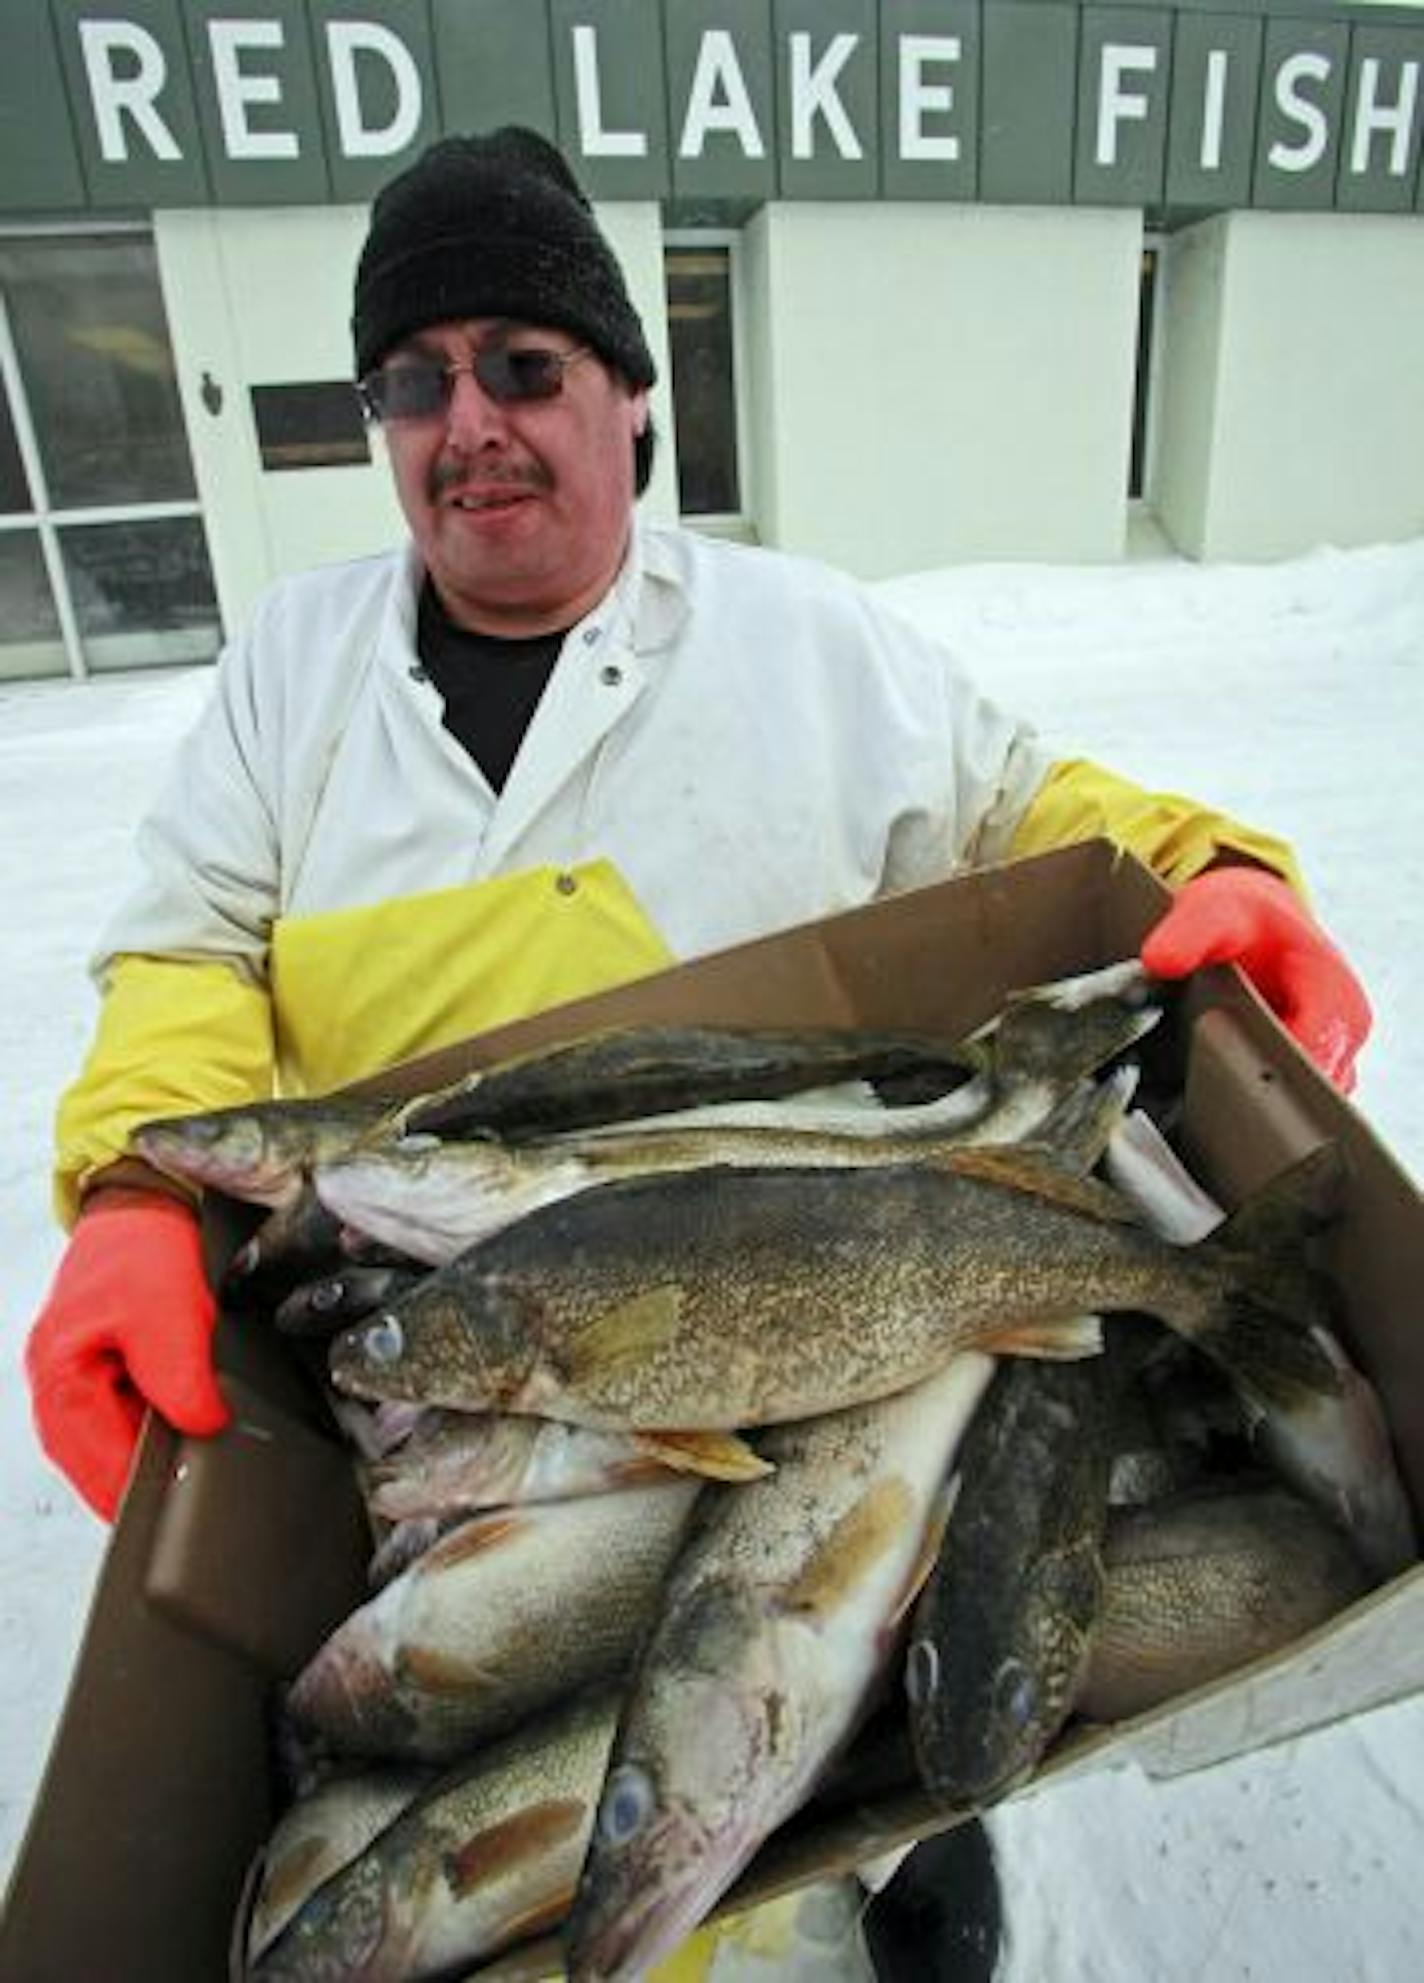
(942, 382)
(1319, 434)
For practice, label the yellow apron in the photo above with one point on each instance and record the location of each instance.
(355, 990)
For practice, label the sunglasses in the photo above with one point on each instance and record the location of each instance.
(421, 388)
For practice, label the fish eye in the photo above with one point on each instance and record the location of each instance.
(922, 1672)
(1016, 1693)
(384, 1341)
(627, 1804)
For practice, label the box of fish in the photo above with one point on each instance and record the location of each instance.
(700, 1439)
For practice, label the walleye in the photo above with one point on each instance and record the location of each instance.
(1333, 1444)
(1001, 1632)
(264, 1151)
(438, 1201)
(1200, 1583)
(484, 1858)
(622, 1073)
(776, 1620)
(727, 1298)
(505, 1615)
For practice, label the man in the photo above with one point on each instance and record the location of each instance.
(539, 750)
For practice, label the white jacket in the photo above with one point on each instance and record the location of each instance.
(748, 737)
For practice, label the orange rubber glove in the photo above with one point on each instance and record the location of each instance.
(1247, 917)
(128, 1322)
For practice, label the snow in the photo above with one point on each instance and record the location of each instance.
(1291, 694)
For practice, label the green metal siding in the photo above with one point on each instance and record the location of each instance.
(1201, 105)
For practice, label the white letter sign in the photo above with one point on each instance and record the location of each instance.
(596, 142)
(1300, 110)
(718, 68)
(813, 91)
(345, 41)
(917, 96)
(1213, 110)
(1371, 116)
(1115, 104)
(112, 95)
(235, 90)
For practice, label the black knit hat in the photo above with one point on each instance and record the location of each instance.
(492, 226)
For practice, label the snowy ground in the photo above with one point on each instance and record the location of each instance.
(1292, 694)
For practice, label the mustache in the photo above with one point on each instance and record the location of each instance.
(451, 471)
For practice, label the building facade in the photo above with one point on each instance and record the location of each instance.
(926, 280)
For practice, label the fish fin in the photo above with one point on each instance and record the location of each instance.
(1063, 1341)
(542, 1918)
(522, 1839)
(931, 1542)
(1290, 1208)
(1019, 1167)
(716, 1455)
(1261, 1325)
(431, 1672)
(408, 1540)
(1077, 1132)
(439, 1108)
(476, 1537)
(629, 1333)
(287, 1877)
(857, 1540)
(385, 1124)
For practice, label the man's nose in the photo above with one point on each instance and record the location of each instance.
(472, 418)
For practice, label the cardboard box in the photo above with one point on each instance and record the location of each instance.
(235, 1556)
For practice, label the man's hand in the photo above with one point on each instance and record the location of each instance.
(128, 1323)
(1248, 917)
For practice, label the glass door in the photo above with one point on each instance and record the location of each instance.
(103, 557)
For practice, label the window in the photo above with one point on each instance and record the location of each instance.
(103, 558)
(699, 273)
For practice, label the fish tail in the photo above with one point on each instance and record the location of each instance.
(1068, 1029)
(1260, 1324)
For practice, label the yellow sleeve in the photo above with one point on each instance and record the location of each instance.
(174, 1036)
(1172, 835)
